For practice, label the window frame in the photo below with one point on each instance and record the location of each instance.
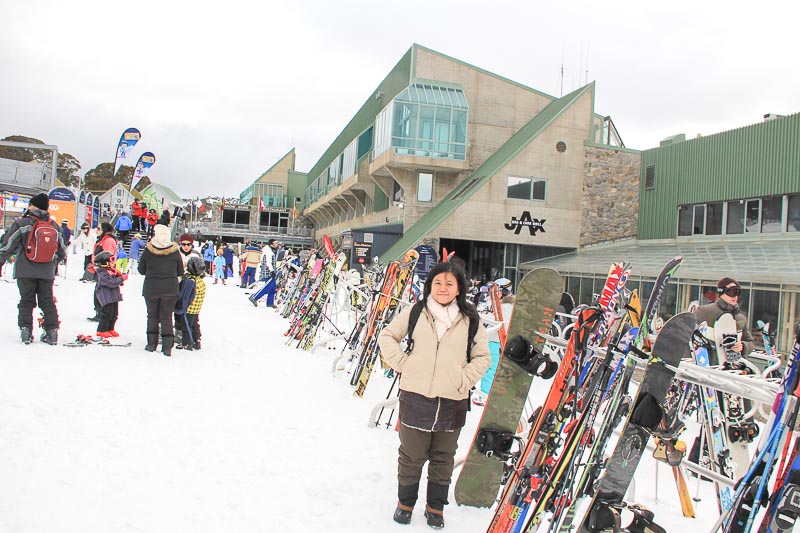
(532, 181)
(419, 186)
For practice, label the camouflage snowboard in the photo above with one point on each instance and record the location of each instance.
(537, 299)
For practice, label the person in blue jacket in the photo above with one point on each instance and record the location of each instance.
(209, 251)
(123, 226)
(227, 253)
(135, 251)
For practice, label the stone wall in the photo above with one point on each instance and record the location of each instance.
(610, 204)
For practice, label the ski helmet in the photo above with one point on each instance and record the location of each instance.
(103, 258)
(196, 266)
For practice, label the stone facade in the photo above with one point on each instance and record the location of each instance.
(610, 204)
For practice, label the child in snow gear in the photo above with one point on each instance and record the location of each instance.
(108, 294)
(187, 312)
(435, 380)
(34, 277)
(219, 267)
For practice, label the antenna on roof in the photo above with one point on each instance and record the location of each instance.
(562, 81)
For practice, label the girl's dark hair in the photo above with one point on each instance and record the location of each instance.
(106, 227)
(457, 270)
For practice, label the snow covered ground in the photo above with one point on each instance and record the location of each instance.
(245, 435)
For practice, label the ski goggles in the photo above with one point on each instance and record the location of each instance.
(732, 291)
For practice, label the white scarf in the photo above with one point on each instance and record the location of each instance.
(443, 315)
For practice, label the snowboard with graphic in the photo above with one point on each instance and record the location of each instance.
(537, 299)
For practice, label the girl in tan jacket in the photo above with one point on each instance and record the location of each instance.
(435, 382)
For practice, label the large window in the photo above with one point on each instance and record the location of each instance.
(714, 219)
(735, 223)
(771, 215)
(428, 121)
(793, 219)
(526, 188)
(685, 219)
(424, 187)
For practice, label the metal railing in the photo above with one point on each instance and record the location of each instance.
(217, 228)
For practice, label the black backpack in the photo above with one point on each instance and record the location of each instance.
(416, 309)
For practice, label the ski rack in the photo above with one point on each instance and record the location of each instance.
(752, 387)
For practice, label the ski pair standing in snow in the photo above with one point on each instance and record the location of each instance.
(35, 269)
(436, 375)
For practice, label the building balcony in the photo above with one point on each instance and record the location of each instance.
(254, 231)
(417, 159)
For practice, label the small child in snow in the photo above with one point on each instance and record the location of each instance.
(108, 294)
(187, 312)
(122, 258)
(219, 267)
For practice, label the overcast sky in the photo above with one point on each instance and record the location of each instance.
(221, 90)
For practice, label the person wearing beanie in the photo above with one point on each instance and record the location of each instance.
(186, 243)
(105, 243)
(728, 290)
(84, 244)
(161, 266)
(34, 279)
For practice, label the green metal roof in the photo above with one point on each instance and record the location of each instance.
(464, 190)
(746, 259)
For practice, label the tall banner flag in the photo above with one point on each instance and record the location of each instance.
(127, 141)
(146, 160)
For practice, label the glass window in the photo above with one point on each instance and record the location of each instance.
(519, 188)
(424, 187)
(771, 214)
(735, 225)
(539, 190)
(685, 215)
(714, 219)
(765, 308)
(699, 220)
(752, 212)
(793, 222)
(573, 287)
(585, 294)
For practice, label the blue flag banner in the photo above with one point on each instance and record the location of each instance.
(127, 141)
(146, 160)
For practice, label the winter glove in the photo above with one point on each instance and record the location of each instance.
(125, 277)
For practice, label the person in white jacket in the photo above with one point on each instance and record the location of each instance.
(84, 243)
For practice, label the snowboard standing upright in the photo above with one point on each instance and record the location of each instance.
(537, 299)
(646, 418)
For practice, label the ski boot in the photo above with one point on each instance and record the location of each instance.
(26, 334)
(50, 337)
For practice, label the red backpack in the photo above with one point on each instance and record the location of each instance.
(42, 244)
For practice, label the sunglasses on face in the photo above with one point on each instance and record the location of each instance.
(186, 244)
(732, 291)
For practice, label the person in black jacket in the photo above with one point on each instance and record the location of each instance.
(161, 266)
(34, 280)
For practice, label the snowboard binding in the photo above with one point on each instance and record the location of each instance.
(608, 517)
(669, 451)
(787, 510)
(496, 443)
(744, 432)
(522, 352)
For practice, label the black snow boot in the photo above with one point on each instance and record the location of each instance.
(50, 337)
(406, 498)
(197, 345)
(437, 499)
(152, 342)
(167, 341)
(26, 334)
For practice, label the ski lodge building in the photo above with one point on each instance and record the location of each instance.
(447, 154)
(450, 155)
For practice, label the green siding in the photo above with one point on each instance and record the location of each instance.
(753, 161)
(381, 202)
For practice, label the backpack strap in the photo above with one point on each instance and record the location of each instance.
(416, 309)
(473, 330)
